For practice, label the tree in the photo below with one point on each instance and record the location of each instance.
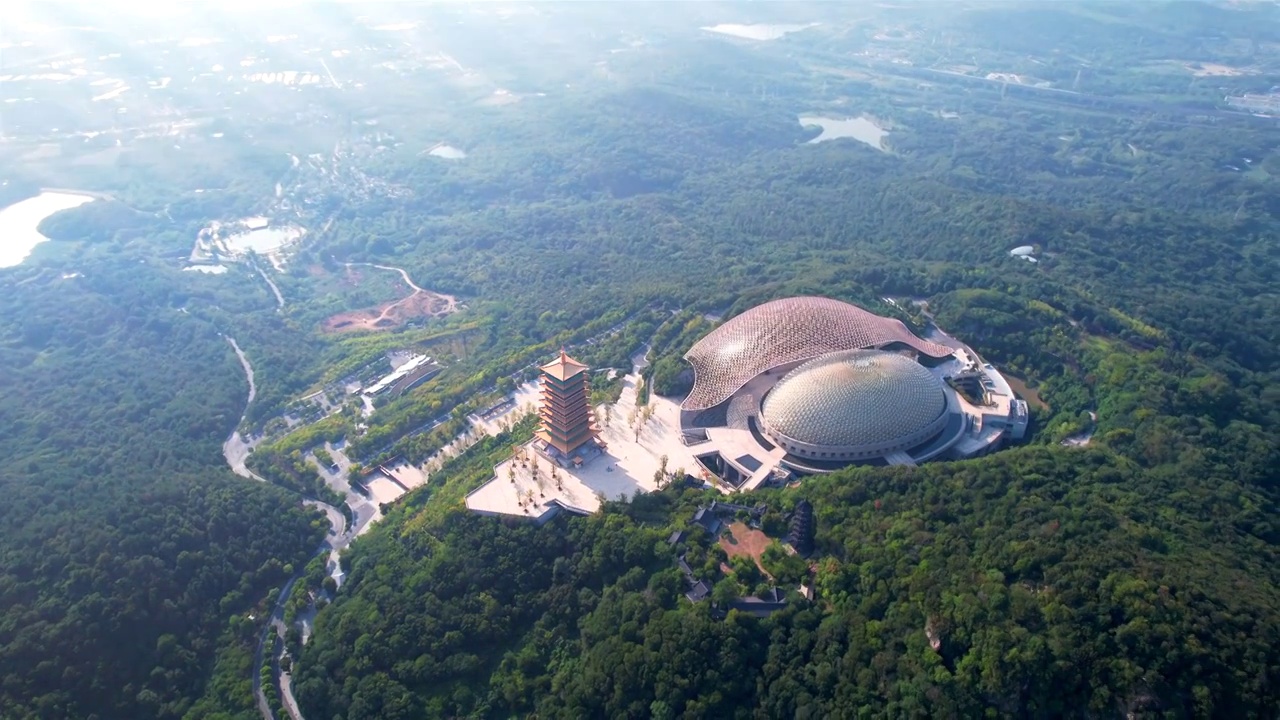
(724, 592)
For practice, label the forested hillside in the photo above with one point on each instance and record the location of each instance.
(1056, 582)
(625, 176)
(1133, 577)
(126, 546)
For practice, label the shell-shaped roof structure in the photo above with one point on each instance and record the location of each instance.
(854, 399)
(787, 331)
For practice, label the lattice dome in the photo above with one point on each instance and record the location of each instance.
(786, 331)
(856, 398)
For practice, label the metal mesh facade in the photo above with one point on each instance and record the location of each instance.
(859, 400)
(787, 331)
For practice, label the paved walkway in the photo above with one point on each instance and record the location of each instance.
(628, 466)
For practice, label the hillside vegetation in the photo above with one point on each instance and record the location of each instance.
(626, 170)
(127, 546)
(1132, 578)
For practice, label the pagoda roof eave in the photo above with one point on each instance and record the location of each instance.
(563, 367)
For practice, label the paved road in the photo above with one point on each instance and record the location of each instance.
(286, 696)
(339, 537)
(274, 289)
(272, 629)
(340, 534)
(236, 449)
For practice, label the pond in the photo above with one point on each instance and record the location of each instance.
(18, 223)
(1026, 393)
(262, 240)
(860, 128)
(448, 152)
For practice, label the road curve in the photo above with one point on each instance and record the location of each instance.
(340, 535)
(274, 289)
(402, 272)
(236, 451)
(450, 299)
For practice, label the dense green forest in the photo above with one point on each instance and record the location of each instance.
(1059, 583)
(1133, 578)
(629, 180)
(127, 546)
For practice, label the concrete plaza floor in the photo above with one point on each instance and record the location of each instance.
(626, 466)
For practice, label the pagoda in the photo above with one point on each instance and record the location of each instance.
(802, 526)
(567, 422)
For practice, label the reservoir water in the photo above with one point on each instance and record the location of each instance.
(756, 32)
(263, 240)
(860, 128)
(18, 223)
(448, 152)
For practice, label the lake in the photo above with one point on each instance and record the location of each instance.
(860, 128)
(755, 32)
(18, 223)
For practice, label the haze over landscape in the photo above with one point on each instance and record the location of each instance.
(652, 360)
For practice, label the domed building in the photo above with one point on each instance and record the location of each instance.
(854, 405)
(783, 333)
(808, 384)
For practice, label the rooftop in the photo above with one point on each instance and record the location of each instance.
(787, 331)
(563, 367)
(854, 398)
(387, 381)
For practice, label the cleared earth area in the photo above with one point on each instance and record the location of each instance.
(421, 303)
(742, 540)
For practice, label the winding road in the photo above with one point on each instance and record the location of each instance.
(452, 302)
(274, 289)
(236, 450)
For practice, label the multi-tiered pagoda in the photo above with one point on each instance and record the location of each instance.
(567, 422)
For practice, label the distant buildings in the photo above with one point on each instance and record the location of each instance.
(1026, 252)
(1258, 103)
(708, 520)
(699, 590)
(708, 517)
(417, 370)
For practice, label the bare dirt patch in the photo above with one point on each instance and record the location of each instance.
(419, 303)
(391, 315)
(742, 540)
(1212, 70)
